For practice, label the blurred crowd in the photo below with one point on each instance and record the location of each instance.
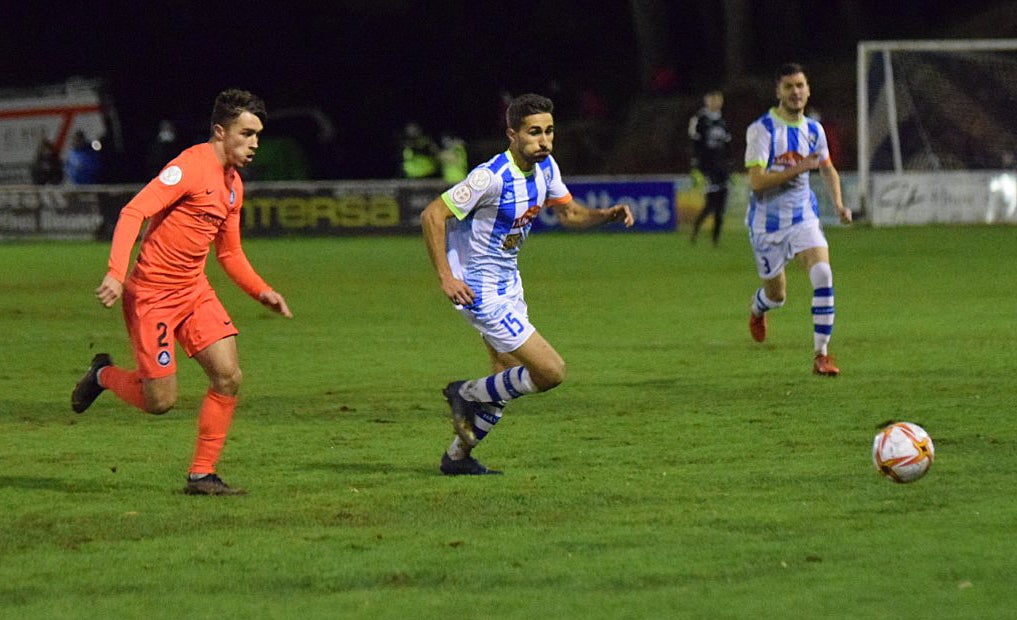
(82, 166)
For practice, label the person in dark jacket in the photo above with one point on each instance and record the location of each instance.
(711, 147)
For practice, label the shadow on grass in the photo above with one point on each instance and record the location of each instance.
(384, 469)
(72, 486)
(38, 483)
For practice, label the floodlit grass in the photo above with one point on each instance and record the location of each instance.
(682, 470)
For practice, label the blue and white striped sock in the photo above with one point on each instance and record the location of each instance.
(762, 304)
(485, 420)
(482, 425)
(822, 305)
(500, 387)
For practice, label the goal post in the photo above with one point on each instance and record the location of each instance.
(935, 111)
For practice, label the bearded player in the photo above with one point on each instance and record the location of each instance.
(473, 233)
(782, 147)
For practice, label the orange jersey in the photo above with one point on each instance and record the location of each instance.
(193, 203)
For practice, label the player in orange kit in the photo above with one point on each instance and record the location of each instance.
(194, 202)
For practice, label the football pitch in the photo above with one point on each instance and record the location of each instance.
(681, 471)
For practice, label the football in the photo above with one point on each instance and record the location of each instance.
(902, 451)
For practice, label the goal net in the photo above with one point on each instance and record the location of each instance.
(937, 127)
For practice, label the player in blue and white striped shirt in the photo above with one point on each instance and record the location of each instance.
(782, 147)
(473, 233)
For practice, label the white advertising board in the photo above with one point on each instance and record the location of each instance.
(948, 197)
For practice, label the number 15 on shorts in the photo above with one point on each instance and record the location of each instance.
(512, 324)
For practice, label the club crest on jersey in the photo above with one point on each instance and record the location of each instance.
(512, 241)
(164, 358)
(479, 179)
(233, 196)
(171, 175)
(547, 175)
(461, 194)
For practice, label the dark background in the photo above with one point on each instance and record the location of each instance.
(374, 65)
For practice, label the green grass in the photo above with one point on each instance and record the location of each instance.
(681, 471)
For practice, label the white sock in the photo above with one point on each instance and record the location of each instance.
(822, 306)
(762, 304)
(458, 450)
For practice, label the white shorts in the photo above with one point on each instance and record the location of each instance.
(504, 323)
(774, 250)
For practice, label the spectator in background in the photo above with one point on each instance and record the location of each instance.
(164, 147)
(711, 156)
(47, 169)
(83, 165)
(454, 163)
(420, 153)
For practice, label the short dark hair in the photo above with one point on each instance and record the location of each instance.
(233, 102)
(525, 105)
(789, 68)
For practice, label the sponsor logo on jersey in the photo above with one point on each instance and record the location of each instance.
(788, 159)
(212, 218)
(479, 179)
(171, 175)
(526, 217)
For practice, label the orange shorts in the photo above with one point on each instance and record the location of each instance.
(157, 318)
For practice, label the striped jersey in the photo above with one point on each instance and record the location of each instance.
(494, 209)
(775, 144)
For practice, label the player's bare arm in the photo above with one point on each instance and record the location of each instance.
(832, 181)
(762, 179)
(109, 291)
(575, 215)
(433, 220)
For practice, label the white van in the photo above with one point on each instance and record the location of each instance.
(54, 113)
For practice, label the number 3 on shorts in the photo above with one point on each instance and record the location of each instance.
(512, 324)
